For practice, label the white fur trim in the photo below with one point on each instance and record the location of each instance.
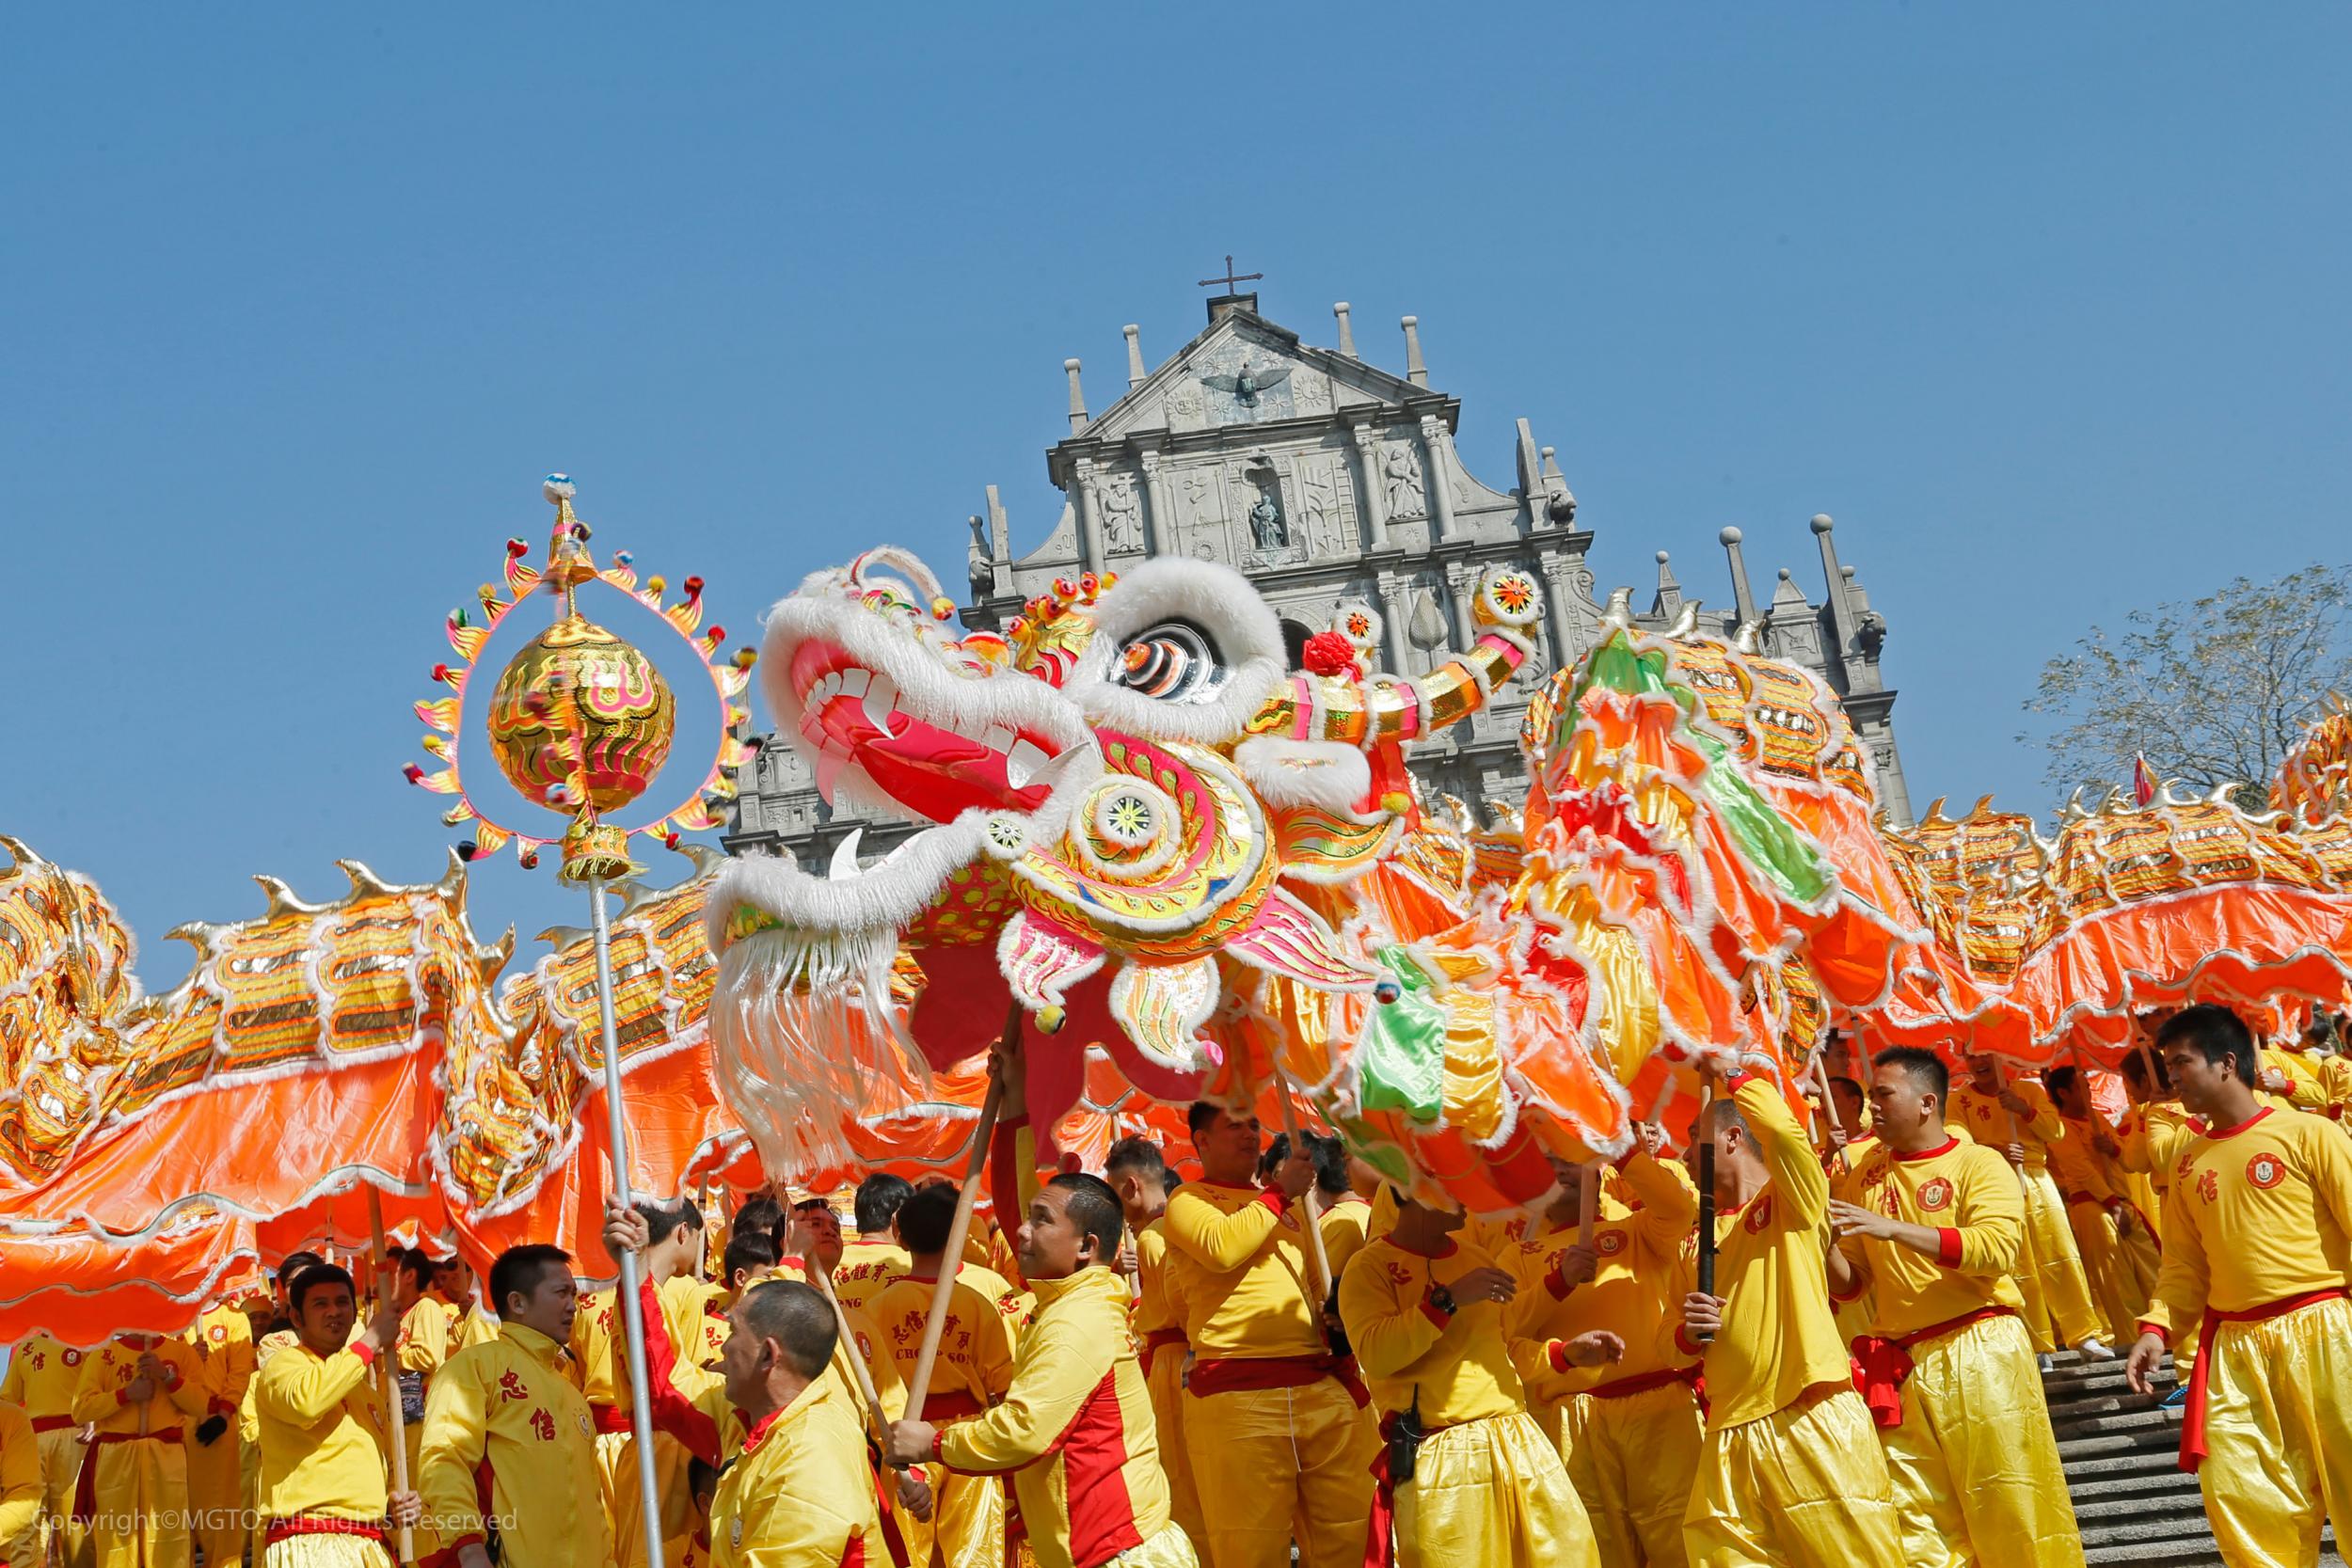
(1303, 772)
(1218, 599)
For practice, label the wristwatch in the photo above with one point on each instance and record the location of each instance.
(1441, 1298)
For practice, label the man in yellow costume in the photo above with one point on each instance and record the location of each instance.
(278, 1334)
(142, 1391)
(1929, 1239)
(874, 1258)
(973, 1371)
(1792, 1476)
(1629, 1431)
(1076, 1429)
(599, 1346)
(223, 1341)
(2017, 1117)
(424, 1340)
(508, 1442)
(1138, 1172)
(20, 1478)
(2117, 1240)
(43, 1375)
(2257, 1260)
(1467, 1475)
(323, 1499)
(778, 1420)
(1275, 1425)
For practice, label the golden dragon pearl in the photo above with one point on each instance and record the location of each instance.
(577, 672)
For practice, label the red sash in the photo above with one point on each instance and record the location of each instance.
(611, 1420)
(86, 1488)
(319, 1523)
(1277, 1371)
(2193, 1413)
(951, 1404)
(52, 1423)
(1881, 1366)
(1380, 1533)
(1626, 1387)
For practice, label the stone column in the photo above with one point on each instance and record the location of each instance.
(1565, 648)
(1437, 473)
(1371, 494)
(1092, 555)
(1159, 525)
(1461, 582)
(1394, 607)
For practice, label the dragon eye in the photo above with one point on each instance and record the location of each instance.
(1173, 663)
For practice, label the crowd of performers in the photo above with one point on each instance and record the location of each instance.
(1142, 1371)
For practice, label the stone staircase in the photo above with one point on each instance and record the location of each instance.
(2137, 1509)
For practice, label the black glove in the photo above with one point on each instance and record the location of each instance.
(208, 1430)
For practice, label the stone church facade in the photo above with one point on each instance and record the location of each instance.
(1323, 479)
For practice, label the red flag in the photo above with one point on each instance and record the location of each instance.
(2143, 779)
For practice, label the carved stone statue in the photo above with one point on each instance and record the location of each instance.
(1401, 469)
(1122, 524)
(1870, 633)
(1266, 525)
(976, 560)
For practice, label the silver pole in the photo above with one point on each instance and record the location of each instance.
(641, 1402)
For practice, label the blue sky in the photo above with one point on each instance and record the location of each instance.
(2046, 305)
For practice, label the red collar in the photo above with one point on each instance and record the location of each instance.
(2219, 1133)
(759, 1429)
(1452, 1246)
(1944, 1148)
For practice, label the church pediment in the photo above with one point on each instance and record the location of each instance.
(1244, 370)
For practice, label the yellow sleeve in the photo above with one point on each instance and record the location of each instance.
(94, 1394)
(1387, 1333)
(1996, 1219)
(1528, 1349)
(189, 1392)
(890, 1385)
(2308, 1093)
(1220, 1242)
(12, 1387)
(1796, 1173)
(2133, 1143)
(20, 1474)
(423, 1338)
(2327, 1164)
(1066, 1363)
(302, 1389)
(993, 1350)
(238, 1362)
(2042, 1118)
(2184, 1276)
(1670, 1202)
(456, 1442)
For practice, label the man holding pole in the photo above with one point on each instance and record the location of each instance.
(1930, 1238)
(223, 1341)
(2258, 1257)
(1076, 1429)
(510, 1408)
(1791, 1475)
(2016, 1116)
(599, 1347)
(322, 1501)
(1138, 1172)
(141, 1390)
(1275, 1425)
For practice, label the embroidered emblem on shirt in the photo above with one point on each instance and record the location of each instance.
(1609, 1242)
(1937, 1194)
(71, 1358)
(2265, 1171)
(1760, 1214)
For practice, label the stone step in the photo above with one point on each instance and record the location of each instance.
(2173, 1503)
(2155, 1482)
(2144, 1418)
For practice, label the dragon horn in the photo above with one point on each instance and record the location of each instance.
(1505, 607)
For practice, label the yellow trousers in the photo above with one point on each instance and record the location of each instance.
(1632, 1462)
(1282, 1464)
(52, 1538)
(1491, 1492)
(2121, 1269)
(216, 1496)
(141, 1488)
(1166, 1385)
(1170, 1548)
(1975, 1465)
(323, 1551)
(2050, 1269)
(617, 1465)
(2278, 1436)
(967, 1521)
(1804, 1487)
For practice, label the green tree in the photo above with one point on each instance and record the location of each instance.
(2212, 691)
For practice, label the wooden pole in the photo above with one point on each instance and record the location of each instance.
(1318, 1261)
(138, 1476)
(1705, 1134)
(875, 1413)
(951, 1257)
(1587, 1200)
(397, 1421)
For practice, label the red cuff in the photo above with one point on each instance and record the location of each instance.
(220, 1408)
(1948, 1247)
(1557, 1354)
(2157, 1329)
(171, 1375)
(939, 1436)
(1686, 1344)
(365, 1351)
(1276, 1199)
(1731, 1085)
(1555, 1282)
(122, 1395)
(1842, 1299)
(1429, 1309)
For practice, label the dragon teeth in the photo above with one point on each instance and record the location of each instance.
(1022, 763)
(997, 738)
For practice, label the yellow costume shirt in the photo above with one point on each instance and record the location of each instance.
(2259, 1213)
(322, 1435)
(108, 1373)
(1968, 1193)
(1238, 1261)
(865, 1268)
(1643, 1237)
(512, 1402)
(20, 1474)
(42, 1378)
(1989, 1121)
(1456, 1365)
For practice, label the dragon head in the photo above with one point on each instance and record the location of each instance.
(1111, 793)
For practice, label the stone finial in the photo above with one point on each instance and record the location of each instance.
(1135, 355)
(1414, 372)
(1347, 331)
(1077, 398)
(1821, 523)
(1669, 598)
(1744, 598)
